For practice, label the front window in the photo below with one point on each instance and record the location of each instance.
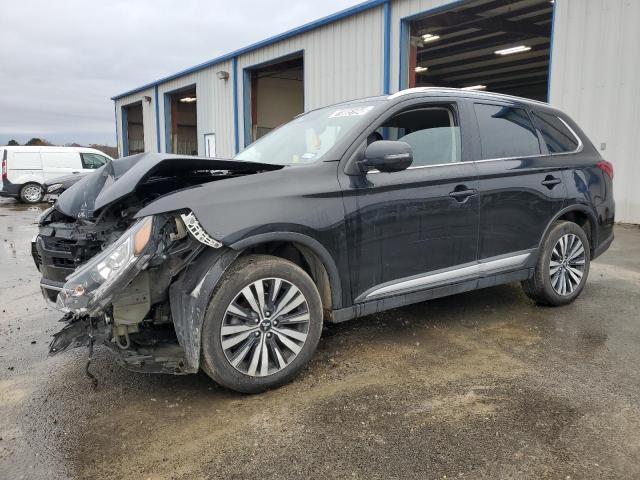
(93, 160)
(308, 138)
(432, 132)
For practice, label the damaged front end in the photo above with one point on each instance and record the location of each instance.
(120, 298)
(112, 272)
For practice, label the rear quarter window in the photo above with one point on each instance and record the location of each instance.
(506, 132)
(557, 135)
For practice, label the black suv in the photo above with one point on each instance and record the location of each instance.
(231, 266)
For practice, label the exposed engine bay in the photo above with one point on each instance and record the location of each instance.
(111, 271)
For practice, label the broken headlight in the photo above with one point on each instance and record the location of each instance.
(91, 287)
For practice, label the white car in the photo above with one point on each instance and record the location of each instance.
(26, 169)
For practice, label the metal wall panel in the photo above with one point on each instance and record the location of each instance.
(595, 69)
(214, 106)
(148, 118)
(342, 61)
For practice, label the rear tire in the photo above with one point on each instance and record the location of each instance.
(563, 266)
(31, 193)
(262, 326)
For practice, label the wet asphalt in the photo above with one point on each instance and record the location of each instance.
(479, 385)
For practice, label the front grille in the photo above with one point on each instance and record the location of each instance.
(59, 254)
(64, 262)
(62, 245)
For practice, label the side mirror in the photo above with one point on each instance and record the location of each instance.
(387, 156)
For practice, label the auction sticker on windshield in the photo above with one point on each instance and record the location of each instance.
(350, 112)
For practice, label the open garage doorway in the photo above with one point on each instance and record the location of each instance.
(181, 110)
(275, 95)
(133, 132)
(494, 45)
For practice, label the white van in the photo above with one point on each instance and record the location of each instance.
(26, 169)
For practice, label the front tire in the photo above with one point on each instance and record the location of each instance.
(31, 193)
(262, 326)
(563, 266)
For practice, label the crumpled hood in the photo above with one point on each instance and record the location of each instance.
(121, 177)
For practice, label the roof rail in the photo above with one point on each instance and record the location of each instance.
(471, 93)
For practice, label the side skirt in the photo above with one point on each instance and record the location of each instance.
(374, 306)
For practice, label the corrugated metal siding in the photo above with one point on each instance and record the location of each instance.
(342, 61)
(214, 107)
(148, 119)
(594, 78)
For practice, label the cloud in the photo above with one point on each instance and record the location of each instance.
(60, 62)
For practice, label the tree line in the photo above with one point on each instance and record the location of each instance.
(34, 142)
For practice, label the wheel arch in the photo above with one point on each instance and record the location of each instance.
(582, 216)
(306, 252)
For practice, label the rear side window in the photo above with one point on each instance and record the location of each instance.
(92, 160)
(555, 132)
(506, 132)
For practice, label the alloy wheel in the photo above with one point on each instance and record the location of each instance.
(32, 193)
(567, 264)
(265, 327)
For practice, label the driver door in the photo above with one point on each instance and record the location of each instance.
(407, 226)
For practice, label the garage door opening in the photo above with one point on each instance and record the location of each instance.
(182, 122)
(133, 134)
(494, 45)
(276, 95)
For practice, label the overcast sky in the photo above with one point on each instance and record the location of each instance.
(62, 61)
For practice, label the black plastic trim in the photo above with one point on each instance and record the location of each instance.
(311, 243)
(388, 303)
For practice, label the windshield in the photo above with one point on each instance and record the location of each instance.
(308, 138)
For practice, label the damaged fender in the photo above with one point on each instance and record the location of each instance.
(190, 295)
(241, 212)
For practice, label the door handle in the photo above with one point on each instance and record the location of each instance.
(550, 181)
(462, 193)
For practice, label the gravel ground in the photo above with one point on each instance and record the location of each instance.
(480, 385)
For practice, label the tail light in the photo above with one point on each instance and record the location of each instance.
(606, 167)
(4, 167)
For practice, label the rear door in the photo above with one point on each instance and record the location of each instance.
(24, 166)
(521, 187)
(60, 163)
